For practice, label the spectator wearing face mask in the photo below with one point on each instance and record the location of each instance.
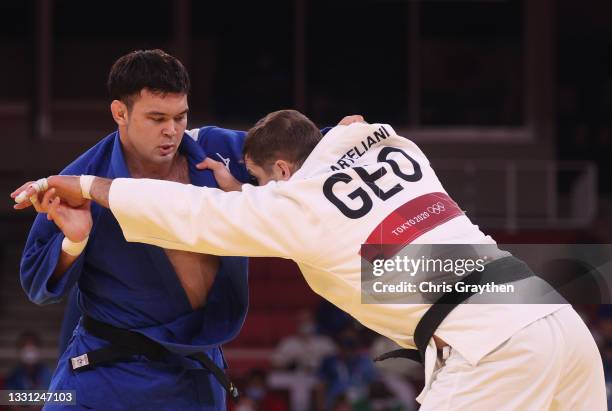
(257, 395)
(305, 350)
(348, 373)
(31, 373)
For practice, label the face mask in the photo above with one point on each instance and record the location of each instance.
(245, 406)
(307, 328)
(29, 355)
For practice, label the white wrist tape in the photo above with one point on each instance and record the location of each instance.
(72, 248)
(86, 182)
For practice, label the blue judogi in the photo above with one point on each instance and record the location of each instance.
(72, 314)
(134, 286)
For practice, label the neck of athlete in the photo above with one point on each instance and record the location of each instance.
(141, 167)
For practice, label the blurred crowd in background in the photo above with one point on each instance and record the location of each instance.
(326, 365)
(494, 65)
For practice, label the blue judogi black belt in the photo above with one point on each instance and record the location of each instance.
(124, 344)
(502, 271)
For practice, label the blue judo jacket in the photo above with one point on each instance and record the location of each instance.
(134, 286)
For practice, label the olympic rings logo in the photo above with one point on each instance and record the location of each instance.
(436, 208)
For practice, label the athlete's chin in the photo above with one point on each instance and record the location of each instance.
(163, 158)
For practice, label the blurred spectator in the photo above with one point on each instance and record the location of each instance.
(256, 395)
(349, 372)
(397, 375)
(381, 399)
(409, 368)
(245, 404)
(31, 373)
(342, 404)
(304, 351)
(331, 320)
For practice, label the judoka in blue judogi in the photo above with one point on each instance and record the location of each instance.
(134, 286)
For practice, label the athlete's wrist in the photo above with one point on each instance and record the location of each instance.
(100, 191)
(86, 182)
(74, 248)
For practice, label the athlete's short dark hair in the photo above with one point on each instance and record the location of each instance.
(286, 134)
(154, 70)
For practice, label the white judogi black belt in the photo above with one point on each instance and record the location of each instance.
(124, 344)
(502, 271)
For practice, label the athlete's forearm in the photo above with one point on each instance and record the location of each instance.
(99, 191)
(63, 264)
(207, 220)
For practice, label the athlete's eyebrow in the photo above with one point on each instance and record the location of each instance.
(159, 113)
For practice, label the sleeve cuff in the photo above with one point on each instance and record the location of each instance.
(55, 290)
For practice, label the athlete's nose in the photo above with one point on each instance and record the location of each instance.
(170, 129)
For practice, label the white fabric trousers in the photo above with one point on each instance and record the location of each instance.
(552, 364)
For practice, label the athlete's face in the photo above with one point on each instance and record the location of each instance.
(154, 126)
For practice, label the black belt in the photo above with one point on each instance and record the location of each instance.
(503, 270)
(126, 343)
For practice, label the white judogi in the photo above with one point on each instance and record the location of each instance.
(320, 218)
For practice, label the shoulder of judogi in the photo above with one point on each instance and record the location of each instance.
(211, 137)
(93, 161)
(224, 145)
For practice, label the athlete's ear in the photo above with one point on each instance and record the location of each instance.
(284, 169)
(120, 112)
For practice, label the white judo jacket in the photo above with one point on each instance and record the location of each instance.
(361, 184)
